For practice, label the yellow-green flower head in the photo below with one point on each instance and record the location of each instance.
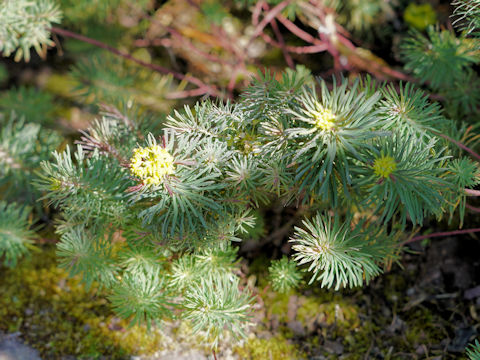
(324, 118)
(384, 166)
(151, 164)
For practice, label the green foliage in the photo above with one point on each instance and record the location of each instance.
(3, 73)
(439, 58)
(23, 145)
(467, 14)
(148, 209)
(28, 103)
(80, 253)
(322, 138)
(284, 275)
(16, 237)
(180, 198)
(84, 189)
(108, 79)
(97, 9)
(26, 24)
(338, 255)
(58, 316)
(409, 109)
(420, 16)
(191, 268)
(362, 15)
(290, 11)
(143, 297)
(473, 351)
(412, 185)
(214, 11)
(464, 174)
(216, 303)
(365, 18)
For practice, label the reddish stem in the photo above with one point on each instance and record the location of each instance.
(472, 192)
(459, 144)
(312, 40)
(281, 41)
(472, 208)
(294, 29)
(441, 234)
(267, 19)
(205, 89)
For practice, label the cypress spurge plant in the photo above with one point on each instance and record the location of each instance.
(25, 25)
(153, 216)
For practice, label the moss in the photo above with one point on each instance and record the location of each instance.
(423, 328)
(420, 16)
(57, 316)
(275, 348)
(334, 311)
(277, 304)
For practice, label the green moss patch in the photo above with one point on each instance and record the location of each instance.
(58, 317)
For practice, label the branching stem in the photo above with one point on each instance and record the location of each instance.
(459, 144)
(441, 234)
(202, 87)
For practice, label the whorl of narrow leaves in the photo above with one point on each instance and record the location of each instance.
(184, 271)
(404, 176)
(16, 237)
(191, 268)
(338, 255)
(142, 297)
(214, 304)
(23, 145)
(323, 137)
(284, 275)
(138, 259)
(138, 202)
(409, 109)
(467, 15)
(29, 103)
(81, 253)
(26, 24)
(473, 351)
(439, 58)
(91, 188)
(464, 174)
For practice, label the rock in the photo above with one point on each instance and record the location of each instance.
(333, 347)
(397, 325)
(192, 355)
(296, 327)
(462, 337)
(292, 307)
(472, 293)
(12, 349)
(420, 350)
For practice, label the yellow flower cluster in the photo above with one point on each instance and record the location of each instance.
(384, 166)
(151, 164)
(324, 118)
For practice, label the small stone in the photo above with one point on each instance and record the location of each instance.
(420, 350)
(296, 327)
(397, 325)
(333, 347)
(12, 349)
(472, 293)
